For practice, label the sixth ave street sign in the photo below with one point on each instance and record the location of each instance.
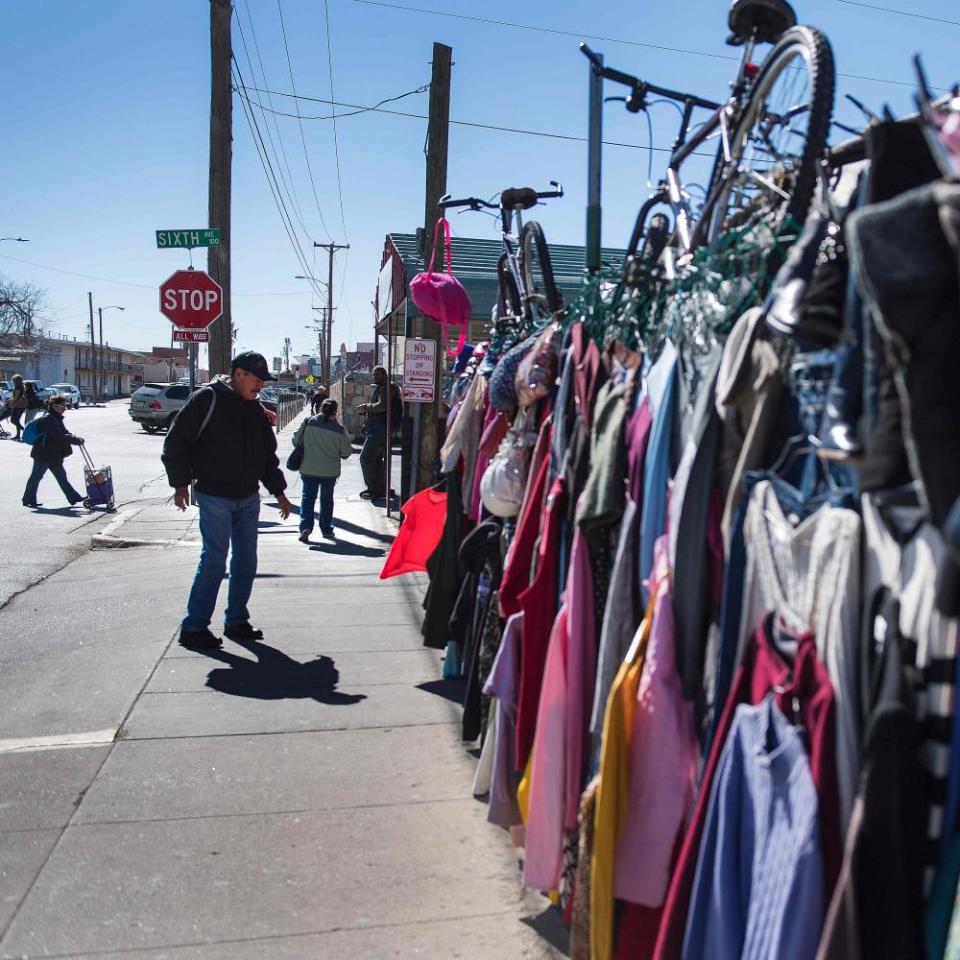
(188, 238)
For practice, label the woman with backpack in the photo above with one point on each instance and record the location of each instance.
(18, 403)
(324, 443)
(52, 445)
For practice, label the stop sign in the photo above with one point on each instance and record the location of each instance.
(190, 299)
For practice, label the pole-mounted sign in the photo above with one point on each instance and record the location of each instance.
(187, 239)
(191, 300)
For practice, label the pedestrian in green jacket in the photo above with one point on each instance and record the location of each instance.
(325, 443)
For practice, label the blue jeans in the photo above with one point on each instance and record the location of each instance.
(40, 467)
(311, 486)
(224, 522)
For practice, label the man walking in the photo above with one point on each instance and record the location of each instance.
(372, 455)
(222, 439)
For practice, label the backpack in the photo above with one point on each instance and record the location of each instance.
(34, 432)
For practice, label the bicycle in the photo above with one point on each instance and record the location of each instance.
(521, 295)
(766, 168)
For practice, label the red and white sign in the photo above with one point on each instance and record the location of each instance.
(419, 370)
(191, 300)
(191, 336)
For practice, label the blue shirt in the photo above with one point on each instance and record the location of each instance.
(758, 889)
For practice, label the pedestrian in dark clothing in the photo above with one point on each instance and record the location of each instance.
(325, 444)
(54, 444)
(373, 453)
(18, 403)
(222, 439)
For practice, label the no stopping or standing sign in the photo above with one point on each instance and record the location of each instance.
(419, 369)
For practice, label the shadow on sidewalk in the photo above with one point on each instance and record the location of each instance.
(365, 531)
(275, 676)
(345, 548)
(452, 690)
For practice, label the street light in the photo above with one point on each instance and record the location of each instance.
(100, 310)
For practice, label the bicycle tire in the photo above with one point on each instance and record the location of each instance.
(810, 44)
(532, 238)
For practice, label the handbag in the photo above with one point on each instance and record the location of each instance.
(441, 296)
(537, 372)
(505, 479)
(295, 459)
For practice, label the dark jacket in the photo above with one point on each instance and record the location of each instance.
(59, 440)
(236, 451)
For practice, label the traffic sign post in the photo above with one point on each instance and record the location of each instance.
(187, 239)
(191, 300)
(191, 336)
(419, 365)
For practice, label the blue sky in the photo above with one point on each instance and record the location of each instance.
(106, 112)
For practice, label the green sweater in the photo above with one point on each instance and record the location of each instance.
(325, 443)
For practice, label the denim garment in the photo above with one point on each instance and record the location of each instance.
(40, 467)
(311, 487)
(656, 473)
(372, 462)
(224, 522)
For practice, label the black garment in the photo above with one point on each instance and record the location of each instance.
(888, 859)
(445, 570)
(235, 453)
(59, 441)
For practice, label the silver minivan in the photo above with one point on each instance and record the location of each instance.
(154, 405)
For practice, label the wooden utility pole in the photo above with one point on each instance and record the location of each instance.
(221, 155)
(93, 354)
(331, 249)
(438, 131)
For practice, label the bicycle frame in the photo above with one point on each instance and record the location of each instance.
(725, 117)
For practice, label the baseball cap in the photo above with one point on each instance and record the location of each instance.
(254, 363)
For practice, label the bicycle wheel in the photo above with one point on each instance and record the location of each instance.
(541, 294)
(780, 138)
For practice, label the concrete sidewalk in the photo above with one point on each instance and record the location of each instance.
(307, 796)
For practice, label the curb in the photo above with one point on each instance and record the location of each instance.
(105, 540)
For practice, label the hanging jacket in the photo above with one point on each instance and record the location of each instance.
(325, 443)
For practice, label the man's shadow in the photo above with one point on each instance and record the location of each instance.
(275, 676)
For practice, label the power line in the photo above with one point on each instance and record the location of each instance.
(268, 171)
(466, 123)
(593, 36)
(901, 13)
(303, 139)
(336, 141)
(353, 113)
(288, 181)
(128, 283)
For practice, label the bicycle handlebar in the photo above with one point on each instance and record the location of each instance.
(476, 203)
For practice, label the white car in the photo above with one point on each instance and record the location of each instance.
(69, 392)
(6, 390)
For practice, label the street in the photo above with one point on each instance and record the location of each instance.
(38, 542)
(303, 796)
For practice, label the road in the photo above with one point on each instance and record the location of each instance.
(37, 543)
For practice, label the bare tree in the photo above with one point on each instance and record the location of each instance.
(21, 308)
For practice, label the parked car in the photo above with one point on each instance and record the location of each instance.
(44, 393)
(6, 390)
(69, 392)
(154, 405)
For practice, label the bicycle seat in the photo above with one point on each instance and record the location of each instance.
(522, 197)
(766, 19)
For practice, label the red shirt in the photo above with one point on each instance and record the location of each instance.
(423, 518)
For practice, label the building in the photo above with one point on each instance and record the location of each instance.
(165, 365)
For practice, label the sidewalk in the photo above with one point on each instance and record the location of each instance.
(306, 796)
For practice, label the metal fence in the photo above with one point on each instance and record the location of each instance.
(288, 410)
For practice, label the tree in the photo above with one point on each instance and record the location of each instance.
(21, 306)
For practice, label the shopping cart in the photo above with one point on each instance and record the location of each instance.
(99, 481)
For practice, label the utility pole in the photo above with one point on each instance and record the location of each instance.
(100, 369)
(220, 347)
(93, 354)
(331, 249)
(438, 133)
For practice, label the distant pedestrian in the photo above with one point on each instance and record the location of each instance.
(18, 403)
(34, 403)
(373, 454)
(325, 443)
(54, 444)
(222, 439)
(319, 395)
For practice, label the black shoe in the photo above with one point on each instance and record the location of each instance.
(329, 535)
(367, 495)
(304, 536)
(242, 631)
(32, 506)
(199, 640)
